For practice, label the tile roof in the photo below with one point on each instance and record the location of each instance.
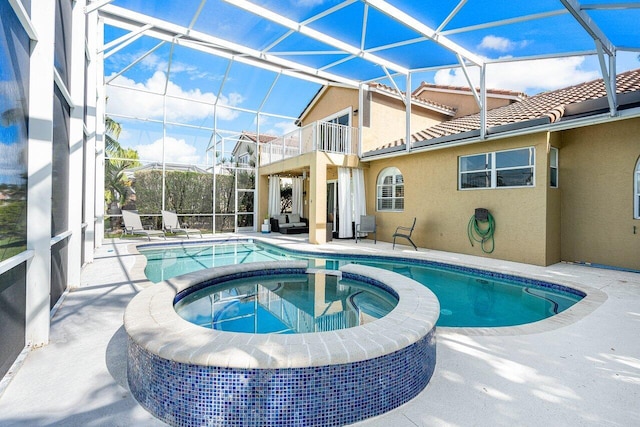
(252, 136)
(546, 107)
(416, 99)
(504, 92)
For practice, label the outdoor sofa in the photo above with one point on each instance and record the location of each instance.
(289, 224)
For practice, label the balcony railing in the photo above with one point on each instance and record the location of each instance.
(317, 136)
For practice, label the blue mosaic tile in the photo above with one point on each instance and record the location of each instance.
(192, 395)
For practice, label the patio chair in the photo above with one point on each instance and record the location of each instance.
(367, 225)
(405, 232)
(133, 225)
(172, 225)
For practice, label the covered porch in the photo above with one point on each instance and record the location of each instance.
(316, 169)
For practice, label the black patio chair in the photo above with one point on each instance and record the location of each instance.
(405, 232)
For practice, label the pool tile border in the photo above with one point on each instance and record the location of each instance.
(189, 375)
(593, 298)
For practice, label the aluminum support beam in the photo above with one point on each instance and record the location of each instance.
(409, 21)
(469, 82)
(483, 102)
(162, 30)
(587, 23)
(315, 34)
(608, 77)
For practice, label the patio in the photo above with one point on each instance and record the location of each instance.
(585, 371)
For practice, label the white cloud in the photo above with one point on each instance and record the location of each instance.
(501, 44)
(146, 105)
(176, 151)
(307, 3)
(282, 128)
(524, 76)
(278, 128)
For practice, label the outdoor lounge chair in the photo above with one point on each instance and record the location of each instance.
(367, 225)
(405, 232)
(133, 225)
(172, 225)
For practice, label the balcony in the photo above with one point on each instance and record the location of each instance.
(317, 136)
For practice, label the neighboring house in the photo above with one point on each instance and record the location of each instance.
(130, 173)
(557, 171)
(245, 152)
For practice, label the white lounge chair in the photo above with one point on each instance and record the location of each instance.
(172, 225)
(133, 225)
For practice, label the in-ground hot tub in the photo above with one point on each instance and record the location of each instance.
(189, 375)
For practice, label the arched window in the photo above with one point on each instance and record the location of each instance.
(390, 190)
(636, 191)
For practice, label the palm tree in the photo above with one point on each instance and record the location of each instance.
(118, 159)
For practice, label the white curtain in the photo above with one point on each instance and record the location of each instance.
(359, 201)
(344, 203)
(296, 196)
(274, 196)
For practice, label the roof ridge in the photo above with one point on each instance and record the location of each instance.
(494, 91)
(551, 105)
(414, 97)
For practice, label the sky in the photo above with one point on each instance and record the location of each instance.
(198, 79)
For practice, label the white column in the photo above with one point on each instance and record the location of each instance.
(90, 151)
(39, 171)
(99, 141)
(76, 143)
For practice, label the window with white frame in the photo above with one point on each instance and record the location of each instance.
(509, 168)
(390, 190)
(244, 159)
(636, 191)
(553, 167)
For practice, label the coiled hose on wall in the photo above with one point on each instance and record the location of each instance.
(482, 234)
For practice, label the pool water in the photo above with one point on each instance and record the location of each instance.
(286, 304)
(467, 298)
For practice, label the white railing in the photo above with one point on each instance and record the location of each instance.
(317, 136)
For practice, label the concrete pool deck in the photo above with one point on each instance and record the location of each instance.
(584, 371)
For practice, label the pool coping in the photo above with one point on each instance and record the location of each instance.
(594, 297)
(152, 322)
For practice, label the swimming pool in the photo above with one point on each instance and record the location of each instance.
(468, 297)
(286, 304)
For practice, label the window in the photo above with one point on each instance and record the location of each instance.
(511, 168)
(553, 167)
(636, 199)
(244, 159)
(14, 108)
(390, 191)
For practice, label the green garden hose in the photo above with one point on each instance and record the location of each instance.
(480, 234)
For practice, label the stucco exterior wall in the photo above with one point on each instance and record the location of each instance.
(443, 211)
(465, 104)
(596, 180)
(332, 100)
(388, 117)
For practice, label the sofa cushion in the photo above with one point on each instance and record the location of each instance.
(282, 219)
(298, 224)
(294, 217)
